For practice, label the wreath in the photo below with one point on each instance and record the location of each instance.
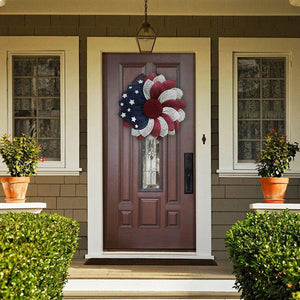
(152, 106)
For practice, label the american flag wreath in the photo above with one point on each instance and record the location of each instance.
(152, 106)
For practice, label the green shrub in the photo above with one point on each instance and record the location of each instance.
(296, 296)
(21, 155)
(265, 251)
(35, 253)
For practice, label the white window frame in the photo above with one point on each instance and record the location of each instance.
(68, 50)
(229, 50)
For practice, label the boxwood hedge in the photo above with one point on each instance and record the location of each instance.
(265, 251)
(35, 253)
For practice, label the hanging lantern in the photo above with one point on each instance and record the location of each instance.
(146, 35)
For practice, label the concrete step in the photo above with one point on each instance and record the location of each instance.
(150, 289)
(116, 282)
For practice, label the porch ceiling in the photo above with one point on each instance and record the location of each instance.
(156, 7)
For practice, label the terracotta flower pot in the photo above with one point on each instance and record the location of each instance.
(15, 188)
(274, 188)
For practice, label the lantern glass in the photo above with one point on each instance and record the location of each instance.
(146, 38)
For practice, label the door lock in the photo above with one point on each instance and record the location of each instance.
(203, 139)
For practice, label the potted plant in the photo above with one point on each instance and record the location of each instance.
(273, 161)
(21, 156)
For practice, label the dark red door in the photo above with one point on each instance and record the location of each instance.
(149, 197)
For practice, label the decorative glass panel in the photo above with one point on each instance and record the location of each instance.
(36, 101)
(248, 150)
(25, 107)
(249, 88)
(249, 109)
(273, 109)
(50, 149)
(248, 68)
(150, 164)
(261, 102)
(273, 68)
(273, 88)
(249, 129)
(278, 125)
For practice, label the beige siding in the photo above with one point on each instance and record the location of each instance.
(68, 195)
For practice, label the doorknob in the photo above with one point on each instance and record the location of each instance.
(203, 139)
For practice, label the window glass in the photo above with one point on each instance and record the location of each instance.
(150, 164)
(36, 101)
(261, 95)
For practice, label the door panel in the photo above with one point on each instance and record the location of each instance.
(156, 218)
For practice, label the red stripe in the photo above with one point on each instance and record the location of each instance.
(156, 129)
(169, 84)
(172, 103)
(151, 76)
(156, 89)
(140, 137)
(169, 121)
(176, 123)
(182, 103)
(159, 138)
(125, 124)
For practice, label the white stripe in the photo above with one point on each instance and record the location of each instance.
(181, 115)
(164, 126)
(167, 95)
(147, 130)
(179, 93)
(160, 78)
(147, 87)
(171, 112)
(135, 132)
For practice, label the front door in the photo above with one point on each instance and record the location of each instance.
(149, 192)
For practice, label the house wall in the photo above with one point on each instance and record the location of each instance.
(230, 196)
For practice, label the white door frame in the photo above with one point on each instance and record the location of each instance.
(200, 47)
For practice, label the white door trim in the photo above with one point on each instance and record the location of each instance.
(200, 47)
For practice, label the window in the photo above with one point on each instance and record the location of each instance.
(261, 102)
(36, 97)
(257, 92)
(42, 100)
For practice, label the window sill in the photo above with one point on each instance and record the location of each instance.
(252, 173)
(51, 172)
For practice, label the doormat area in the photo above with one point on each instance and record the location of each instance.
(150, 261)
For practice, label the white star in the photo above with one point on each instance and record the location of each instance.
(133, 119)
(128, 109)
(131, 102)
(124, 96)
(136, 91)
(140, 81)
(136, 126)
(130, 87)
(123, 115)
(122, 104)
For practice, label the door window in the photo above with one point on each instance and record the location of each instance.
(150, 163)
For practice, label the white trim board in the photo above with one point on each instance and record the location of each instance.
(161, 285)
(200, 47)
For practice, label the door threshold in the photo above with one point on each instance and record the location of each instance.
(149, 261)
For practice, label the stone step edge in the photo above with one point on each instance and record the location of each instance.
(148, 288)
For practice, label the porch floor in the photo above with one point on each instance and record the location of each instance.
(78, 270)
(150, 281)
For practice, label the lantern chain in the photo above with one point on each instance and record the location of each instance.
(146, 8)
